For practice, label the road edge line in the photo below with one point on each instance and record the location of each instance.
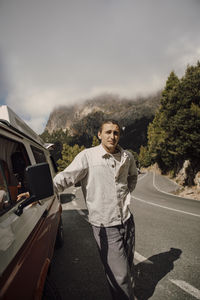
(167, 193)
(187, 287)
(165, 207)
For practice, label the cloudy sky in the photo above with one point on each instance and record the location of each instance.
(55, 52)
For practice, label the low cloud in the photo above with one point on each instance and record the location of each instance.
(57, 53)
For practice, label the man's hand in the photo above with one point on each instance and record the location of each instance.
(23, 195)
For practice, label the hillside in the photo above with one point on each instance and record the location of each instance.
(83, 120)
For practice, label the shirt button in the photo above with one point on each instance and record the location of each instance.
(113, 166)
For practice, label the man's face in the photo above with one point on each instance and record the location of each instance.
(109, 137)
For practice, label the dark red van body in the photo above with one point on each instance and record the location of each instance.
(27, 241)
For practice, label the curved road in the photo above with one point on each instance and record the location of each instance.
(167, 257)
(168, 235)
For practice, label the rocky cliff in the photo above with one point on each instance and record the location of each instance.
(133, 115)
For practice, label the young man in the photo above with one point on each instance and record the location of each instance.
(108, 175)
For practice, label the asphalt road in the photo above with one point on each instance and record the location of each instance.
(167, 257)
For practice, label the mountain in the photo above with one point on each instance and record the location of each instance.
(82, 120)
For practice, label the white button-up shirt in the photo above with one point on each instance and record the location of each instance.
(106, 189)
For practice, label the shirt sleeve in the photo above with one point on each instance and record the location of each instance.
(74, 173)
(133, 174)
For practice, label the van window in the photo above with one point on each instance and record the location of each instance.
(38, 155)
(13, 162)
(5, 200)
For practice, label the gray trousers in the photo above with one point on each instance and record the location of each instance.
(116, 247)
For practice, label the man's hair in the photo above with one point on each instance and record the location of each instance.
(109, 121)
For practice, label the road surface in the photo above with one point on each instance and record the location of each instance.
(167, 257)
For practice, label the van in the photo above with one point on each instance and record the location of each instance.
(30, 228)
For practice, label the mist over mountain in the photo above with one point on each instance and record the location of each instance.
(83, 120)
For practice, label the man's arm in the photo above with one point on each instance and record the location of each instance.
(74, 173)
(133, 174)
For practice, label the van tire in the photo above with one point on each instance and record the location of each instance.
(60, 235)
(50, 291)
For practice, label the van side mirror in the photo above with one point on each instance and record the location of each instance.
(40, 185)
(40, 181)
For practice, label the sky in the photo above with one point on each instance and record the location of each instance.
(60, 52)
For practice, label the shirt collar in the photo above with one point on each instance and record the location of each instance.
(105, 154)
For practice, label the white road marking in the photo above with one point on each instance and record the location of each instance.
(81, 213)
(161, 191)
(141, 258)
(167, 193)
(165, 207)
(180, 283)
(157, 188)
(141, 177)
(187, 288)
(74, 203)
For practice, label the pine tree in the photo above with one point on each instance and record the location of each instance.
(144, 159)
(159, 135)
(185, 125)
(68, 154)
(174, 134)
(95, 141)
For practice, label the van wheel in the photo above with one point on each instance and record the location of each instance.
(50, 291)
(60, 235)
